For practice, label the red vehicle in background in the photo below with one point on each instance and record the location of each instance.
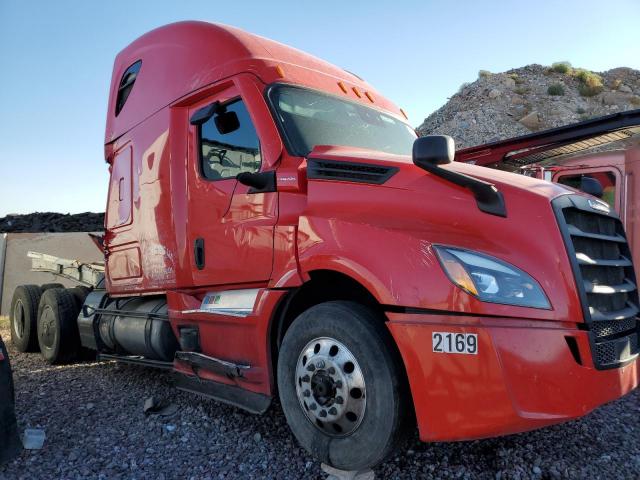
(564, 155)
(274, 227)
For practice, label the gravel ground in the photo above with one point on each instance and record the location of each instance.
(96, 428)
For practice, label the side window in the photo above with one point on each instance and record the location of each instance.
(606, 179)
(226, 152)
(126, 84)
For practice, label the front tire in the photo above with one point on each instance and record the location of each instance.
(342, 385)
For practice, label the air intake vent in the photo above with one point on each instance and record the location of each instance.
(604, 274)
(348, 171)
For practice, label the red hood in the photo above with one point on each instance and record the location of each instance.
(409, 171)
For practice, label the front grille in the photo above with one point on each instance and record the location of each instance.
(604, 273)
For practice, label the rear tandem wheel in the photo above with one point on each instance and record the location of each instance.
(58, 334)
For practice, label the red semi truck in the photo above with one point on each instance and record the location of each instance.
(274, 227)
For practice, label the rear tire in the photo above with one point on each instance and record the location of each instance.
(24, 317)
(79, 293)
(48, 286)
(58, 334)
(342, 385)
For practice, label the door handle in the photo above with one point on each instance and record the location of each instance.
(198, 253)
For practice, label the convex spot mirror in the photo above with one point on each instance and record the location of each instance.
(592, 186)
(433, 150)
(226, 122)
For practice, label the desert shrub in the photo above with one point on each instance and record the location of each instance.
(556, 89)
(587, 91)
(635, 100)
(591, 83)
(580, 111)
(520, 90)
(561, 67)
(484, 74)
(588, 78)
(516, 78)
(616, 84)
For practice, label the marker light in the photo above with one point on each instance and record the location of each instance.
(490, 279)
(280, 71)
(357, 92)
(342, 87)
(456, 272)
(368, 95)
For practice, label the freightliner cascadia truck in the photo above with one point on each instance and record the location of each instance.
(275, 228)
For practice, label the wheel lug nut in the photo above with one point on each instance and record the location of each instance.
(339, 384)
(332, 370)
(313, 406)
(323, 413)
(311, 367)
(306, 393)
(333, 411)
(320, 364)
(306, 378)
(339, 400)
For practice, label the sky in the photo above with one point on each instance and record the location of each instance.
(56, 59)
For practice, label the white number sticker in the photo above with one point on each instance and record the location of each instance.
(447, 342)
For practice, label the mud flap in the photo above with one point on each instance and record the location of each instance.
(9, 442)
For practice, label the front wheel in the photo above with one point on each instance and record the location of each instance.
(342, 385)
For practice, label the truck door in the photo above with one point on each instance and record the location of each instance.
(229, 229)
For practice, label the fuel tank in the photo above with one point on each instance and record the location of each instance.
(138, 326)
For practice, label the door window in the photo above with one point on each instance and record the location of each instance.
(225, 155)
(606, 179)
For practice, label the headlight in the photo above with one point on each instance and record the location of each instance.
(490, 279)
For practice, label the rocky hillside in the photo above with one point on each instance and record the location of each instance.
(524, 100)
(52, 222)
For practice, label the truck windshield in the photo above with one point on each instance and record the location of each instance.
(311, 118)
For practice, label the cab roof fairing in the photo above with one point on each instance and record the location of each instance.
(184, 57)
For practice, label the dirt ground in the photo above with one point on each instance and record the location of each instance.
(93, 417)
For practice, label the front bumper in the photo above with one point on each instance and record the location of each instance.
(524, 376)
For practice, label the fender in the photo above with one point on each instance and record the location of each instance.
(399, 265)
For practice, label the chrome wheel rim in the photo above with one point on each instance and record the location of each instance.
(19, 319)
(330, 387)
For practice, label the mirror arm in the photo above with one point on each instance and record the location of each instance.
(259, 182)
(488, 197)
(205, 113)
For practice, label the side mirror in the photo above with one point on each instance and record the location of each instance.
(433, 150)
(592, 186)
(227, 122)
